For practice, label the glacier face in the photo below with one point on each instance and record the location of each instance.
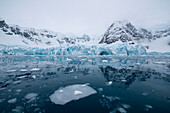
(100, 49)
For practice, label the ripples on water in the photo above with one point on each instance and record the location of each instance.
(118, 84)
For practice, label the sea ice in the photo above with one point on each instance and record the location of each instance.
(121, 110)
(104, 61)
(11, 101)
(23, 70)
(35, 69)
(31, 96)
(148, 107)
(71, 92)
(14, 70)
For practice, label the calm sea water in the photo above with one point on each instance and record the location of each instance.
(122, 84)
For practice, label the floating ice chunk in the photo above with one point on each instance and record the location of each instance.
(68, 59)
(21, 77)
(77, 92)
(126, 106)
(18, 109)
(116, 98)
(83, 59)
(104, 61)
(71, 71)
(100, 89)
(75, 77)
(10, 71)
(90, 60)
(14, 100)
(71, 92)
(109, 83)
(31, 96)
(138, 63)
(145, 93)
(35, 69)
(1, 100)
(160, 62)
(123, 80)
(121, 110)
(18, 90)
(148, 107)
(17, 82)
(34, 76)
(23, 70)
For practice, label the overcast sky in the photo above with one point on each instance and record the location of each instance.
(84, 16)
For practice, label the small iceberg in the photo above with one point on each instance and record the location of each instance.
(71, 92)
(23, 70)
(31, 96)
(12, 101)
(35, 69)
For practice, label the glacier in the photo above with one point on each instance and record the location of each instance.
(76, 49)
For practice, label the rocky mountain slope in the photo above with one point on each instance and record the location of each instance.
(36, 37)
(124, 31)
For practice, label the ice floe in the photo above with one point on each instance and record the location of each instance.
(11, 101)
(35, 69)
(104, 61)
(71, 92)
(31, 96)
(23, 70)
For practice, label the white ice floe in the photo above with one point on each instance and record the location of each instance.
(68, 59)
(145, 93)
(71, 92)
(11, 101)
(123, 80)
(100, 89)
(17, 82)
(109, 83)
(35, 69)
(31, 96)
(104, 61)
(23, 70)
(18, 90)
(10, 71)
(34, 76)
(90, 60)
(126, 106)
(121, 110)
(148, 107)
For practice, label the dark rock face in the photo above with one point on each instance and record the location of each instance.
(124, 31)
(162, 33)
(3, 24)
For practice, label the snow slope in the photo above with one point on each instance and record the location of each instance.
(158, 45)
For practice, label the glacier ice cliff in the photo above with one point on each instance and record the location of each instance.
(100, 49)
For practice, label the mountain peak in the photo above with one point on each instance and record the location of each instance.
(120, 30)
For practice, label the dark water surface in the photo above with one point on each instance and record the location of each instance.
(122, 84)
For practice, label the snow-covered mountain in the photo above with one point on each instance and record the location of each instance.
(125, 32)
(121, 38)
(165, 32)
(16, 35)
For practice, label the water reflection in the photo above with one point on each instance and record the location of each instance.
(42, 75)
